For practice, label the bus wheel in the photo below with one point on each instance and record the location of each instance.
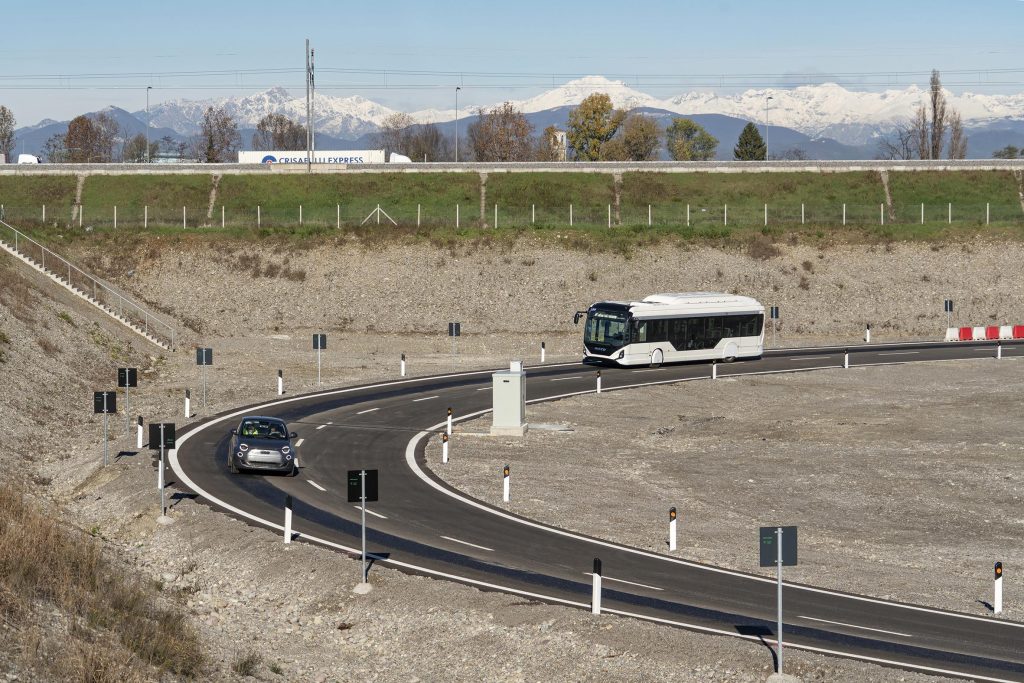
(657, 357)
(730, 353)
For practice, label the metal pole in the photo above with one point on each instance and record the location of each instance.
(309, 151)
(318, 367)
(145, 216)
(457, 89)
(163, 507)
(778, 532)
(106, 440)
(204, 387)
(148, 88)
(766, 127)
(362, 480)
(127, 417)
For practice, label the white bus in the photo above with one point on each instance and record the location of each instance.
(666, 328)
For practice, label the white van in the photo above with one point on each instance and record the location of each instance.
(28, 159)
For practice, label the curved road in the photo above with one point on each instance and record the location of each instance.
(422, 525)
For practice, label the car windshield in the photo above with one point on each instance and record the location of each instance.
(606, 327)
(263, 429)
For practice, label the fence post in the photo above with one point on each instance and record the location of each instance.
(950, 221)
(844, 214)
(801, 213)
(44, 213)
(183, 223)
(687, 215)
(570, 215)
(417, 215)
(338, 209)
(115, 216)
(726, 215)
(495, 216)
(300, 214)
(648, 215)
(881, 213)
(145, 216)
(222, 216)
(258, 216)
(533, 214)
(766, 215)
(986, 213)
(922, 213)
(81, 211)
(456, 216)
(609, 215)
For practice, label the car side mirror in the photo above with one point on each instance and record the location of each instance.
(576, 318)
(293, 435)
(234, 432)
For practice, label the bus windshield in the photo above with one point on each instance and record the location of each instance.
(606, 327)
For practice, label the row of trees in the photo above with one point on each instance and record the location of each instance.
(934, 129)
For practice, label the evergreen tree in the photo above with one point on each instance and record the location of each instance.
(750, 146)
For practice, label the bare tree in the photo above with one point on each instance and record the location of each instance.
(901, 143)
(7, 124)
(55, 150)
(920, 128)
(428, 143)
(957, 137)
(394, 132)
(277, 131)
(502, 134)
(938, 111)
(219, 137)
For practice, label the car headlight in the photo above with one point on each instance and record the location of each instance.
(287, 456)
(243, 447)
(286, 449)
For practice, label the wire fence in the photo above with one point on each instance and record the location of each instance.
(589, 215)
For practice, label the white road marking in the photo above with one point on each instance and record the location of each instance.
(299, 442)
(897, 353)
(560, 379)
(368, 410)
(472, 545)
(369, 511)
(425, 398)
(484, 389)
(646, 370)
(990, 349)
(863, 628)
(315, 485)
(323, 425)
(802, 358)
(631, 583)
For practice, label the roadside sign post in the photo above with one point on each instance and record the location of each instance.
(362, 488)
(672, 529)
(773, 313)
(161, 437)
(948, 307)
(105, 402)
(454, 332)
(778, 547)
(997, 598)
(127, 378)
(204, 357)
(319, 344)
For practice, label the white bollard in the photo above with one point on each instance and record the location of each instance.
(287, 519)
(999, 350)
(595, 594)
(505, 484)
(444, 449)
(599, 381)
(714, 369)
(542, 352)
(997, 597)
(402, 366)
(449, 422)
(672, 530)
(846, 359)
(867, 334)
(138, 439)
(188, 403)
(280, 382)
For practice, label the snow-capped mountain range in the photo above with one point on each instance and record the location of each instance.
(827, 110)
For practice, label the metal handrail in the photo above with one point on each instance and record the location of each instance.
(150, 323)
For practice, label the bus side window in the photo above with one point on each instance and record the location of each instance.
(641, 331)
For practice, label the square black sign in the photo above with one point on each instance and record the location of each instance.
(104, 402)
(204, 356)
(319, 341)
(154, 435)
(355, 486)
(454, 329)
(767, 541)
(127, 377)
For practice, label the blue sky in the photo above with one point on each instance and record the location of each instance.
(502, 50)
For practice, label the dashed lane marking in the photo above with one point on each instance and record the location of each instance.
(368, 410)
(425, 398)
(472, 545)
(631, 583)
(299, 442)
(315, 485)
(898, 353)
(863, 628)
(369, 511)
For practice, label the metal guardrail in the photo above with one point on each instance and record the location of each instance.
(102, 294)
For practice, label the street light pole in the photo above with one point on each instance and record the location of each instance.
(148, 88)
(766, 127)
(457, 89)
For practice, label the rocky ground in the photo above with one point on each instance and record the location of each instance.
(289, 613)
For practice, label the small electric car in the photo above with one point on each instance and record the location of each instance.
(262, 444)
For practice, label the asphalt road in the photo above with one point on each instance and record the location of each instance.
(421, 525)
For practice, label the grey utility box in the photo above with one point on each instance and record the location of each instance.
(508, 396)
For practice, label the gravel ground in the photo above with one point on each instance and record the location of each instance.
(246, 590)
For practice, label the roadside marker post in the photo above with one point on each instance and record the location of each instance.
(505, 484)
(287, 519)
(947, 306)
(777, 546)
(204, 357)
(714, 369)
(599, 381)
(846, 359)
(773, 315)
(595, 592)
(454, 332)
(319, 344)
(867, 334)
(997, 598)
(105, 402)
(444, 449)
(401, 366)
(138, 438)
(672, 529)
(280, 382)
(542, 352)
(449, 431)
(999, 350)
(188, 403)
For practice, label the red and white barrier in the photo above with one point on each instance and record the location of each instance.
(985, 333)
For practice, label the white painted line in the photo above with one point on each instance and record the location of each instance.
(425, 398)
(299, 442)
(645, 370)
(561, 379)
(315, 485)
(897, 353)
(803, 358)
(863, 628)
(323, 425)
(631, 583)
(369, 511)
(368, 410)
(484, 389)
(472, 545)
